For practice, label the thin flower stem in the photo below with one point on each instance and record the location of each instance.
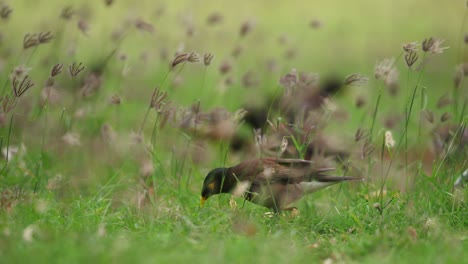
(8, 144)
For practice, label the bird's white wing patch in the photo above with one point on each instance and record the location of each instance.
(241, 188)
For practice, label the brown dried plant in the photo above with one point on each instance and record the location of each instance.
(410, 47)
(428, 115)
(246, 27)
(433, 45)
(367, 149)
(75, 69)
(83, 26)
(316, 24)
(5, 11)
(56, 70)
(445, 116)
(361, 134)
(7, 103)
(180, 59)
(115, 99)
(360, 102)
(207, 58)
(144, 26)
(383, 68)
(460, 73)
(410, 58)
(193, 57)
(157, 99)
(67, 13)
(225, 67)
(356, 79)
(444, 101)
(19, 88)
(30, 40)
(44, 37)
(214, 18)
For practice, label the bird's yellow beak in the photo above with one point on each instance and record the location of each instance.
(202, 200)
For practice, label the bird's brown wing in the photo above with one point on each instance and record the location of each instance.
(294, 170)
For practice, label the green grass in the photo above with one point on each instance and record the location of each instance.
(64, 203)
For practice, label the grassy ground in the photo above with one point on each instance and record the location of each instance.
(95, 174)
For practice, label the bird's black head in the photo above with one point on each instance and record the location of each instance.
(213, 184)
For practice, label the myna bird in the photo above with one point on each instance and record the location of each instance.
(271, 182)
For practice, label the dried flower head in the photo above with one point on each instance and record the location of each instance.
(225, 67)
(428, 115)
(236, 52)
(83, 26)
(44, 37)
(445, 116)
(7, 103)
(180, 59)
(75, 69)
(123, 57)
(57, 69)
(5, 11)
(356, 79)
(289, 80)
(92, 83)
(367, 149)
(360, 101)
(190, 30)
(115, 99)
(410, 58)
(144, 26)
(411, 47)
(214, 18)
(49, 95)
(433, 45)
(460, 73)
(284, 145)
(361, 134)
(157, 99)
(207, 57)
(20, 71)
(260, 139)
(19, 88)
(316, 24)
(193, 57)
(383, 68)
(290, 53)
(444, 101)
(272, 66)
(389, 141)
(391, 81)
(108, 2)
(67, 13)
(30, 40)
(72, 139)
(239, 115)
(49, 82)
(250, 79)
(246, 27)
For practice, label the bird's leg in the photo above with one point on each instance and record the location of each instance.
(293, 211)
